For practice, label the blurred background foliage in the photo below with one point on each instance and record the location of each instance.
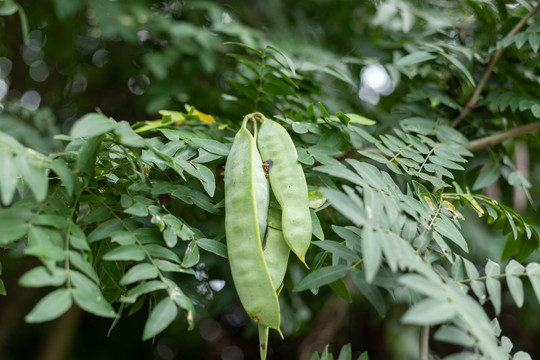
(65, 58)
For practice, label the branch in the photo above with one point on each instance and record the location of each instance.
(474, 145)
(424, 343)
(491, 140)
(474, 98)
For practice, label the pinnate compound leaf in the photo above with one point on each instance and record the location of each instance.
(322, 277)
(161, 316)
(50, 307)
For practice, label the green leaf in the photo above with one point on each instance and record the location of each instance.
(169, 236)
(105, 229)
(444, 162)
(46, 251)
(139, 272)
(161, 316)
(212, 146)
(521, 355)
(8, 177)
(371, 292)
(191, 196)
(34, 175)
(191, 256)
(371, 253)
(444, 226)
(77, 261)
(477, 286)
(91, 125)
(8, 7)
(345, 353)
(123, 238)
(514, 269)
(341, 290)
(159, 251)
(13, 224)
(316, 228)
(213, 246)
(493, 285)
(87, 156)
(351, 238)
(344, 205)
(340, 171)
(435, 181)
(144, 288)
(423, 285)
(322, 277)
(88, 296)
(40, 276)
(533, 272)
(415, 58)
(323, 111)
(454, 335)
(461, 68)
(337, 250)
(125, 252)
(487, 177)
(50, 307)
(128, 136)
(429, 311)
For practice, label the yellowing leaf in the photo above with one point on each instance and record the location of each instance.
(204, 117)
(174, 116)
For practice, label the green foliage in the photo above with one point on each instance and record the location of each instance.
(127, 217)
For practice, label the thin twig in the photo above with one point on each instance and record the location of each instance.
(474, 98)
(474, 145)
(487, 141)
(424, 343)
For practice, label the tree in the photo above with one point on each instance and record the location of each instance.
(118, 215)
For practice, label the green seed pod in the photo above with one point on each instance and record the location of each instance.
(244, 178)
(288, 185)
(276, 251)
